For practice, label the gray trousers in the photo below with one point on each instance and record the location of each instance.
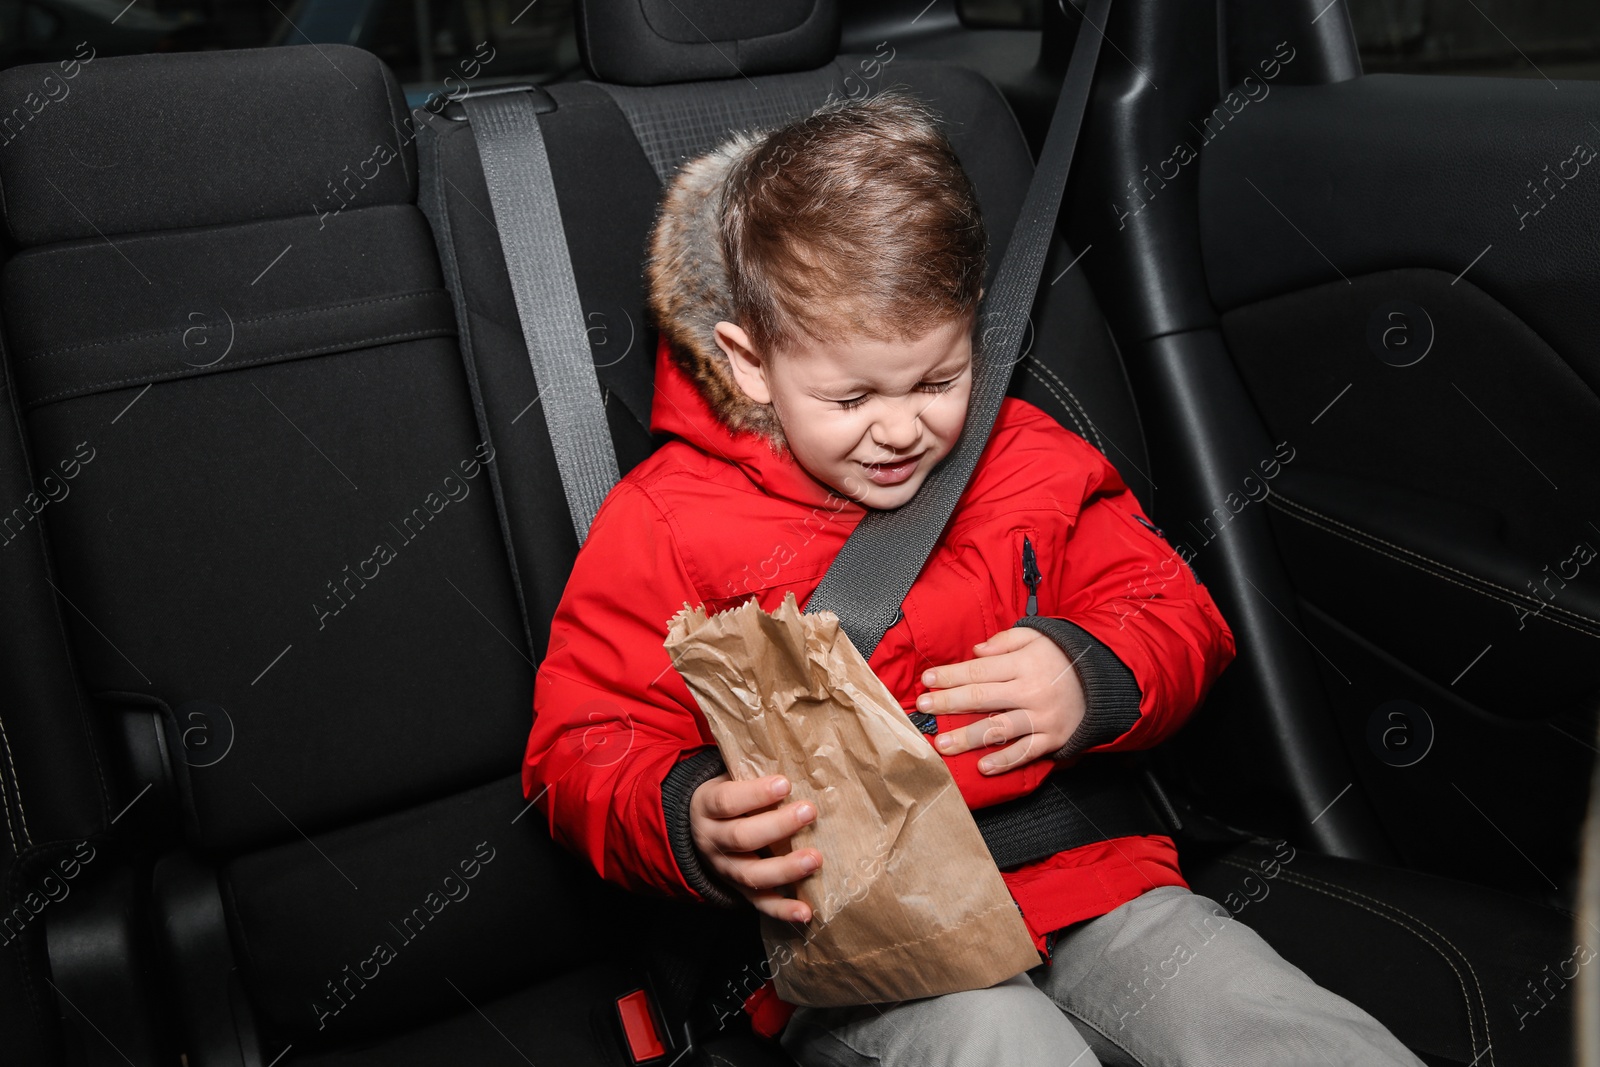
(1169, 979)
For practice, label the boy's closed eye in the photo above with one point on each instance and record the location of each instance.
(922, 387)
(869, 418)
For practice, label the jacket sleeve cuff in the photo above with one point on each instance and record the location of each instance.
(676, 789)
(1111, 691)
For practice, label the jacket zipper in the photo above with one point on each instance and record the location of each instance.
(1030, 575)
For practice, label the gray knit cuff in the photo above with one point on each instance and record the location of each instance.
(1111, 690)
(676, 790)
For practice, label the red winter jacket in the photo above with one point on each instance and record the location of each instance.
(716, 517)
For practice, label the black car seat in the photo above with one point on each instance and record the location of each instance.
(262, 629)
(279, 761)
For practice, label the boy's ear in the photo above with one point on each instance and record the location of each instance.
(749, 370)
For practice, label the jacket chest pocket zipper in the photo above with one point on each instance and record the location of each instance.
(1030, 575)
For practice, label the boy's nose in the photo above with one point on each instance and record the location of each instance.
(897, 432)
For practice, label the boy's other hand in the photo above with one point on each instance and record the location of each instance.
(731, 821)
(1030, 685)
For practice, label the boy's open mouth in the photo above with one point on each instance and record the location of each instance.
(894, 472)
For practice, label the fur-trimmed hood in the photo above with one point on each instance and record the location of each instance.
(688, 281)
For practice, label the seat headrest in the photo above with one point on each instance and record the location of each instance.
(127, 144)
(652, 42)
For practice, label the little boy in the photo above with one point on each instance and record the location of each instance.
(817, 290)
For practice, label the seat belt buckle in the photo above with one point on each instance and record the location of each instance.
(646, 1037)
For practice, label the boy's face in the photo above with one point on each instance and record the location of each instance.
(869, 419)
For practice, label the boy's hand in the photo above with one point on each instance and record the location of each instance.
(1026, 680)
(731, 821)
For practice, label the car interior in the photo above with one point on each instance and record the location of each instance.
(260, 775)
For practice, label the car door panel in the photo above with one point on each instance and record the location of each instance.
(1403, 268)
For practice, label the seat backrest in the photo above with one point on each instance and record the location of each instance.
(267, 521)
(266, 575)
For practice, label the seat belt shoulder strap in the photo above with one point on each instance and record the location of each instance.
(869, 579)
(522, 195)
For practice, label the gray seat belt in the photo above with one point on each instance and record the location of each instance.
(523, 196)
(869, 579)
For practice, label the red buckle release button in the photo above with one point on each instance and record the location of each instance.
(639, 1027)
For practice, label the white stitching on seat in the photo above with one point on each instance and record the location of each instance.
(1064, 405)
(1438, 563)
(1472, 1036)
(1483, 1006)
(16, 785)
(5, 802)
(1415, 933)
(1411, 563)
(1092, 428)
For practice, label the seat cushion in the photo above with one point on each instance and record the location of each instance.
(566, 1021)
(1460, 973)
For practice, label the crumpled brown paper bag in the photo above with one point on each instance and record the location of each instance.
(908, 902)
